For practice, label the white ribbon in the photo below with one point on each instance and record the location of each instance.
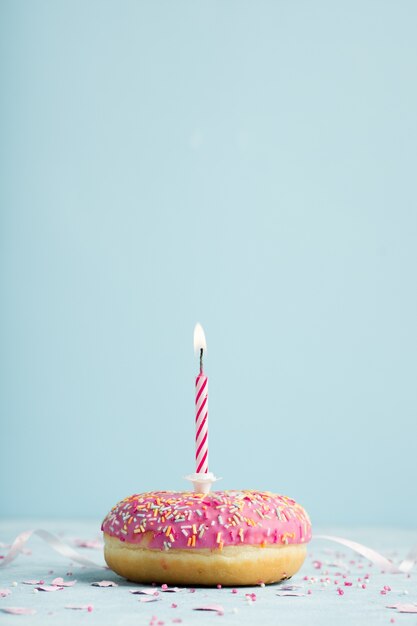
(381, 561)
(56, 544)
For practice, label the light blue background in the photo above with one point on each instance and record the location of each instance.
(248, 165)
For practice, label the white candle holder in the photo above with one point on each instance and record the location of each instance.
(202, 482)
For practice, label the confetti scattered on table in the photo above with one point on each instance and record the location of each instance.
(60, 582)
(49, 588)
(167, 589)
(33, 582)
(294, 594)
(18, 610)
(218, 608)
(104, 583)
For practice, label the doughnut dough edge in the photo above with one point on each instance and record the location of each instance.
(233, 565)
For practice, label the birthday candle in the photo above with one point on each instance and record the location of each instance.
(201, 406)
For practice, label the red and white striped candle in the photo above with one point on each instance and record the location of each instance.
(201, 406)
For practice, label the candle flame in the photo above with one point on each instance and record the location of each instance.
(199, 339)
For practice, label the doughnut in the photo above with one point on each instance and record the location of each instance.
(223, 537)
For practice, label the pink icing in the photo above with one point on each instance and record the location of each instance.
(222, 518)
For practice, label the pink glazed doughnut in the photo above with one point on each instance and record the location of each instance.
(224, 537)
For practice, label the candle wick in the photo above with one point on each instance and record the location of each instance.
(201, 360)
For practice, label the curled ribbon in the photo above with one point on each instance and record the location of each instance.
(56, 544)
(67, 551)
(381, 561)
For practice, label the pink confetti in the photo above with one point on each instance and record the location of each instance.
(104, 583)
(49, 588)
(167, 589)
(80, 607)
(145, 591)
(60, 582)
(294, 594)
(340, 592)
(33, 582)
(149, 599)
(18, 610)
(210, 607)
(4, 593)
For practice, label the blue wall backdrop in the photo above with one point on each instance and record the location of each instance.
(248, 165)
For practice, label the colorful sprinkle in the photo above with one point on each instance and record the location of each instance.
(222, 518)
